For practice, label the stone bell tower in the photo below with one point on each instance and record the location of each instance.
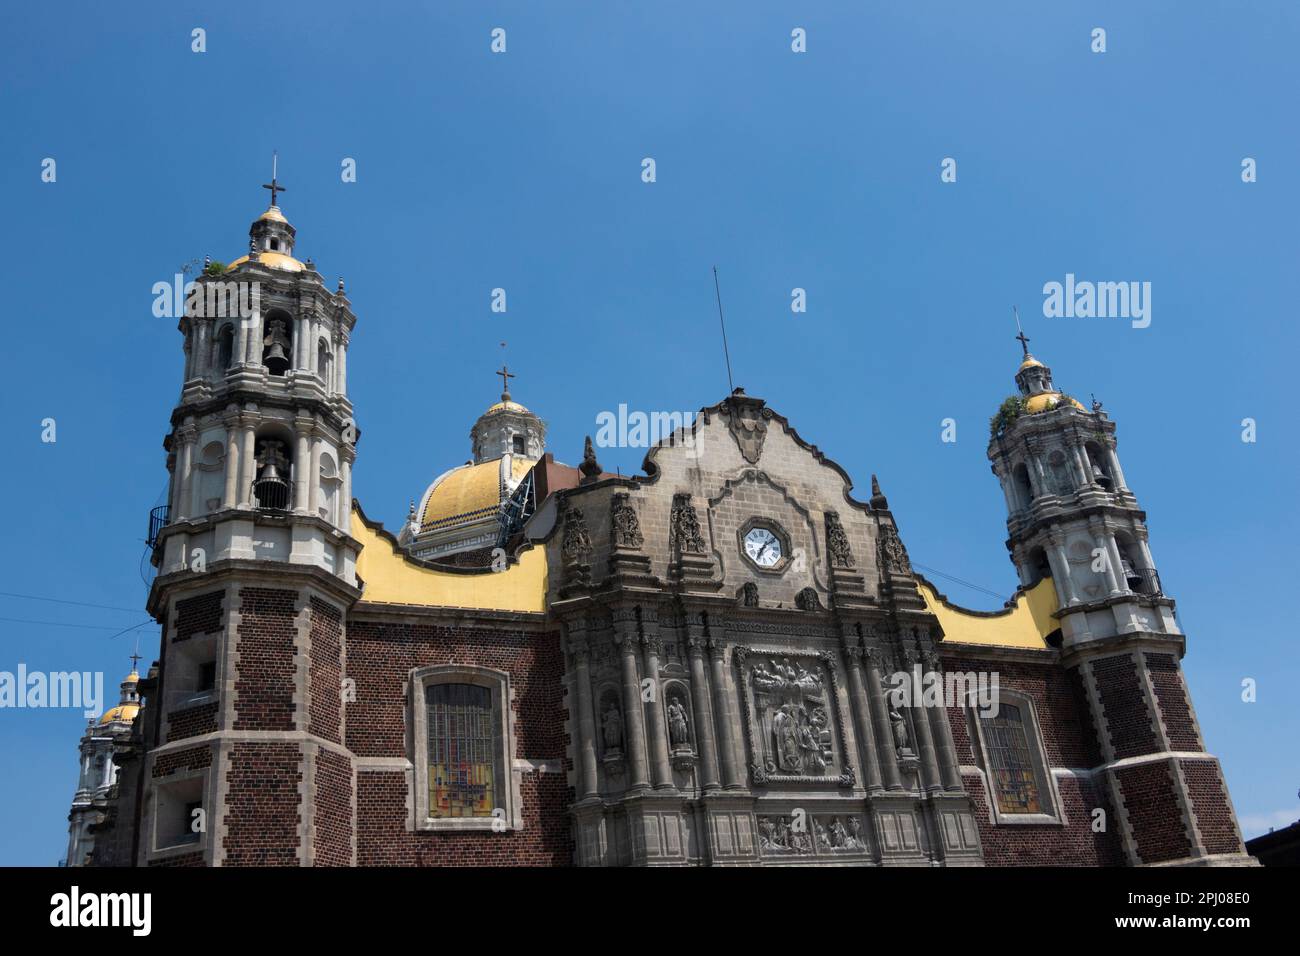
(1073, 518)
(256, 569)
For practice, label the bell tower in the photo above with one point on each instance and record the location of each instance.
(256, 570)
(1072, 517)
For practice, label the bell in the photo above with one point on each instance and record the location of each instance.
(1100, 477)
(276, 353)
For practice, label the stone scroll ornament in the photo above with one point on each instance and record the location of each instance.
(892, 553)
(577, 542)
(837, 542)
(624, 524)
(686, 534)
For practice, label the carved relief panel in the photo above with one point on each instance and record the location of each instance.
(793, 724)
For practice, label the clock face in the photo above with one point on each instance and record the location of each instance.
(763, 547)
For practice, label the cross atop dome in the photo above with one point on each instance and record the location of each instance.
(274, 184)
(506, 375)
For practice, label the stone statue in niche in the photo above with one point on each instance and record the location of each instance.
(611, 728)
(807, 600)
(749, 594)
(625, 524)
(823, 838)
(855, 840)
(899, 726)
(678, 728)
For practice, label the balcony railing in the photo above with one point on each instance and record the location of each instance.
(1143, 581)
(272, 494)
(158, 519)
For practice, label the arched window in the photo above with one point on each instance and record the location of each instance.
(209, 479)
(225, 346)
(1015, 763)
(466, 779)
(1024, 490)
(277, 341)
(518, 444)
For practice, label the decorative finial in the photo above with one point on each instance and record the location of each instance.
(410, 515)
(878, 500)
(1096, 405)
(274, 184)
(506, 376)
(340, 285)
(590, 468)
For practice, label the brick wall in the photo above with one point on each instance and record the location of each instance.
(1128, 719)
(1172, 701)
(1154, 812)
(380, 658)
(333, 810)
(325, 672)
(1210, 804)
(196, 758)
(192, 721)
(198, 615)
(383, 839)
(262, 805)
(266, 660)
(1070, 741)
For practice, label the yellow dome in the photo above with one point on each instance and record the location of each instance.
(273, 213)
(505, 406)
(470, 492)
(1041, 403)
(276, 260)
(122, 712)
(1029, 362)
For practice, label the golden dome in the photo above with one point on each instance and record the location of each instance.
(1041, 403)
(1029, 362)
(122, 712)
(276, 260)
(505, 406)
(470, 492)
(275, 214)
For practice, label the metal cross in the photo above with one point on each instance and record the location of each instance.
(506, 375)
(274, 185)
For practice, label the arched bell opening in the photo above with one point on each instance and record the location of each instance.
(277, 343)
(1098, 470)
(274, 460)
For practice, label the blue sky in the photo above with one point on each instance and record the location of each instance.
(522, 170)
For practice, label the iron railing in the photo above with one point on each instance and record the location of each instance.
(158, 519)
(1143, 581)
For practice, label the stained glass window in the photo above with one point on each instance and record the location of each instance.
(1010, 765)
(463, 748)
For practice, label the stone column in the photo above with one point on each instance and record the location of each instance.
(230, 497)
(239, 352)
(1057, 549)
(656, 729)
(254, 336)
(586, 721)
(1037, 472)
(202, 366)
(346, 455)
(342, 375)
(248, 462)
(732, 778)
(1144, 547)
(300, 353)
(886, 752)
(949, 772)
(1110, 567)
(1081, 464)
(312, 336)
(185, 467)
(1116, 473)
(1112, 547)
(703, 713)
(864, 731)
(633, 710)
(301, 465)
(924, 740)
(313, 476)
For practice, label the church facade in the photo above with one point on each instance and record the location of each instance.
(726, 660)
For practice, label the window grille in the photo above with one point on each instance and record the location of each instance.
(1010, 766)
(464, 744)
